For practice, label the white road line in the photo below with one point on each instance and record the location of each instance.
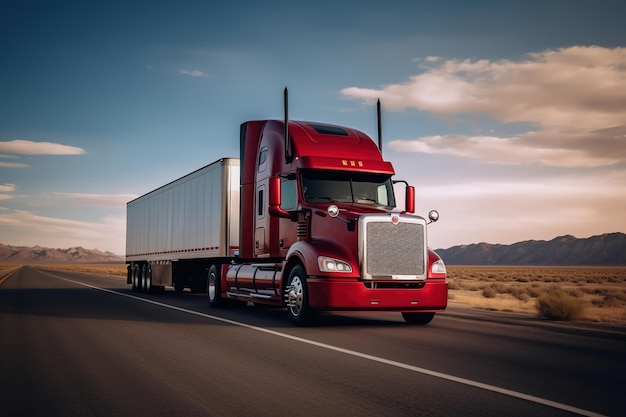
(464, 381)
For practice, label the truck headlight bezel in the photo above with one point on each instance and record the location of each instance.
(328, 264)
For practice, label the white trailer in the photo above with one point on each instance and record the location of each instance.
(183, 227)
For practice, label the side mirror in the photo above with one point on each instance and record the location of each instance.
(410, 199)
(274, 199)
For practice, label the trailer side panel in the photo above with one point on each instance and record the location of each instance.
(193, 217)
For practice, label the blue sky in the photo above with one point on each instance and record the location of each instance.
(508, 117)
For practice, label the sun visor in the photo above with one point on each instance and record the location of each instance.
(344, 164)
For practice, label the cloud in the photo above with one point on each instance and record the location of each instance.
(7, 188)
(194, 73)
(68, 200)
(91, 200)
(508, 150)
(572, 99)
(13, 165)
(27, 147)
(4, 164)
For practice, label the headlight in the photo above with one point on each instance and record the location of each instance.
(438, 267)
(333, 265)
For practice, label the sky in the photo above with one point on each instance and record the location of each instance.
(509, 117)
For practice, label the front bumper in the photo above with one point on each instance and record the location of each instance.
(350, 294)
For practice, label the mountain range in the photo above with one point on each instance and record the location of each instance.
(37, 254)
(607, 249)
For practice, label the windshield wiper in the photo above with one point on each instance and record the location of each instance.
(365, 200)
(331, 199)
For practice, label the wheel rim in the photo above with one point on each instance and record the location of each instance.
(294, 294)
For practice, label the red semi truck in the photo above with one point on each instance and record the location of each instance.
(305, 219)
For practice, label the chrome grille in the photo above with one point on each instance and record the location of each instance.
(393, 251)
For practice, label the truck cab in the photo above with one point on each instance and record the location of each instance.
(320, 230)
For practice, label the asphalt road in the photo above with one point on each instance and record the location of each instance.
(76, 344)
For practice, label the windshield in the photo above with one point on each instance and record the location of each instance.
(347, 187)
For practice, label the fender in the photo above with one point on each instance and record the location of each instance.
(308, 252)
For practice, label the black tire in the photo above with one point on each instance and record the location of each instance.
(296, 296)
(214, 287)
(418, 318)
(146, 281)
(136, 284)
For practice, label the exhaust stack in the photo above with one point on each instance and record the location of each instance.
(380, 128)
(288, 155)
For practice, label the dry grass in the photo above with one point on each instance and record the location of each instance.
(593, 293)
(599, 291)
(108, 269)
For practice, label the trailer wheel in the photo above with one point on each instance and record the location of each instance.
(147, 278)
(214, 287)
(418, 318)
(135, 284)
(297, 298)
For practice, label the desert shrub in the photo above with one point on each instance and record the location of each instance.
(534, 291)
(556, 304)
(453, 285)
(607, 301)
(490, 292)
(519, 293)
(609, 298)
(575, 292)
(612, 279)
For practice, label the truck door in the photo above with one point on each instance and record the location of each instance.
(261, 216)
(259, 233)
(266, 227)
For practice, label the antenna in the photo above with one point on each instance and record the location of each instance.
(380, 128)
(287, 142)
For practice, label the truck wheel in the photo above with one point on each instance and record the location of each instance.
(418, 318)
(135, 284)
(297, 298)
(214, 287)
(147, 279)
